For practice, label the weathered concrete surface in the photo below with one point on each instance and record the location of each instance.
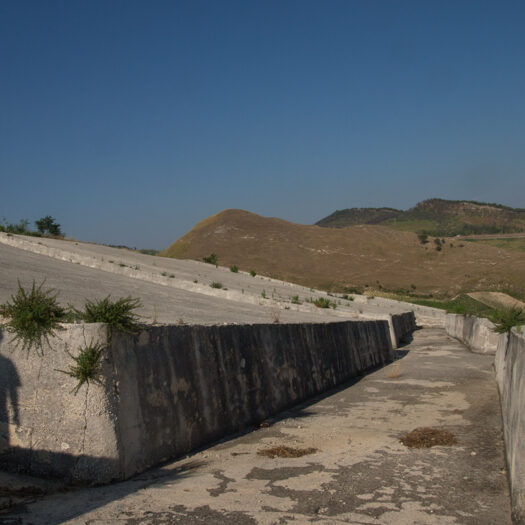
(185, 279)
(76, 283)
(475, 332)
(510, 374)
(44, 428)
(168, 390)
(361, 472)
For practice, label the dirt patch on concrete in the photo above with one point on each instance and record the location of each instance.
(426, 437)
(286, 452)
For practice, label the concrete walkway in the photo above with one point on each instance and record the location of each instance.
(361, 472)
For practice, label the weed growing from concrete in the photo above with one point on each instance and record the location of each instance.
(164, 274)
(117, 314)
(321, 302)
(33, 316)
(295, 299)
(263, 294)
(87, 365)
(171, 276)
(253, 273)
(506, 319)
(216, 284)
(234, 269)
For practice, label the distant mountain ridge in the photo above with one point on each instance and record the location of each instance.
(437, 217)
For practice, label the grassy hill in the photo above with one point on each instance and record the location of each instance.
(363, 256)
(436, 217)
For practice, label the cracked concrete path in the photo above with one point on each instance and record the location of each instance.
(361, 472)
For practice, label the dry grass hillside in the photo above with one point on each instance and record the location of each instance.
(355, 256)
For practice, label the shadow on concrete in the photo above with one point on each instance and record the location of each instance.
(9, 383)
(78, 500)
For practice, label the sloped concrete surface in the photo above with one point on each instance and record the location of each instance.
(361, 472)
(182, 280)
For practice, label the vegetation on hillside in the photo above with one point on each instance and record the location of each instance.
(462, 304)
(353, 216)
(437, 217)
(507, 318)
(503, 243)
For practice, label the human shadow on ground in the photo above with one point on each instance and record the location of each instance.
(9, 383)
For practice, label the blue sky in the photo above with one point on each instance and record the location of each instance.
(130, 121)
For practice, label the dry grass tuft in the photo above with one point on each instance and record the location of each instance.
(425, 437)
(276, 316)
(286, 452)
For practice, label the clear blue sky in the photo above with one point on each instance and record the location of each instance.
(130, 121)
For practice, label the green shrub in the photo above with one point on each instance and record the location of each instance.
(253, 273)
(506, 319)
(87, 365)
(20, 228)
(423, 238)
(353, 289)
(321, 302)
(33, 316)
(295, 299)
(234, 269)
(117, 314)
(47, 225)
(216, 284)
(263, 294)
(211, 259)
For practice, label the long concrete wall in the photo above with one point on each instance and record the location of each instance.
(510, 374)
(509, 363)
(475, 332)
(167, 390)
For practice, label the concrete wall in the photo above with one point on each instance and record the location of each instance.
(475, 332)
(403, 326)
(510, 375)
(509, 364)
(425, 315)
(46, 429)
(168, 390)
